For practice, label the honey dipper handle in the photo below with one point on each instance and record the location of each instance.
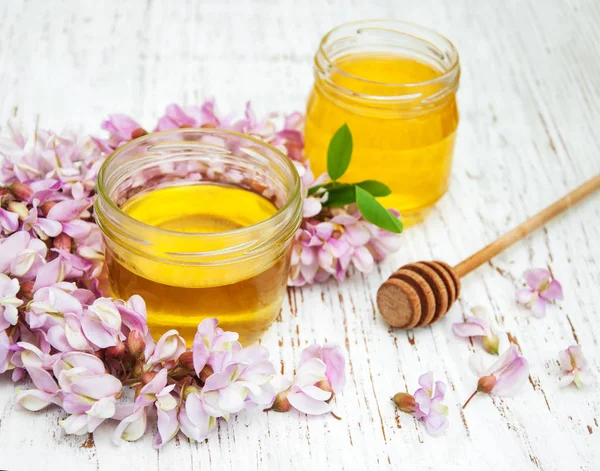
(527, 227)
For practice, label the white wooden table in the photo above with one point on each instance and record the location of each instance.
(530, 109)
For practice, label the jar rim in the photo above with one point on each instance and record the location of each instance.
(393, 26)
(287, 162)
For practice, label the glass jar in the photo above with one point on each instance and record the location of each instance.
(200, 223)
(394, 85)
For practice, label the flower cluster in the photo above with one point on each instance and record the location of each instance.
(426, 404)
(82, 351)
(330, 240)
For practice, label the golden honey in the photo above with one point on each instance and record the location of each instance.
(398, 99)
(200, 224)
(246, 299)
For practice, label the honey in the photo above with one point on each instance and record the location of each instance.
(200, 224)
(399, 105)
(246, 298)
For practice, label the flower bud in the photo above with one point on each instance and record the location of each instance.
(491, 343)
(186, 360)
(62, 242)
(281, 403)
(26, 291)
(147, 377)
(486, 384)
(47, 206)
(187, 390)
(21, 191)
(205, 373)
(115, 351)
(138, 132)
(405, 402)
(19, 208)
(136, 344)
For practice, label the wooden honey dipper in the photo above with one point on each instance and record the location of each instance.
(419, 294)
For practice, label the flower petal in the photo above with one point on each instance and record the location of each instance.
(436, 424)
(426, 381)
(131, 428)
(310, 373)
(76, 424)
(525, 295)
(97, 387)
(307, 404)
(512, 378)
(553, 291)
(34, 399)
(168, 426)
(538, 309)
(536, 277)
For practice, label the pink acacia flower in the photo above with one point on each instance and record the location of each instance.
(83, 381)
(121, 129)
(212, 345)
(42, 227)
(574, 367)
(243, 381)
(9, 221)
(101, 323)
(505, 377)
(302, 393)
(9, 287)
(426, 404)
(543, 288)
(168, 348)
(332, 356)
(317, 253)
(320, 375)
(195, 422)
(159, 394)
(478, 327)
(22, 255)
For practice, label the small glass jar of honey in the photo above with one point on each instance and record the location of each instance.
(200, 223)
(394, 85)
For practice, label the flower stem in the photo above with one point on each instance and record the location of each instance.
(335, 415)
(470, 397)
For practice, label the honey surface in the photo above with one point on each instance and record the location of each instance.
(407, 148)
(245, 295)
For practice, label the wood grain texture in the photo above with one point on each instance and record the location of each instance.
(530, 109)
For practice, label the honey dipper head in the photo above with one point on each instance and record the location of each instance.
(418, 294)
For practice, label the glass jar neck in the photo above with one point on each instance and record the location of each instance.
(198, 156)
(396, 44)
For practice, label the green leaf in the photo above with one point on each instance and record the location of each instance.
(341, 196)
(339, 152)
(373, 212)
(375, 188)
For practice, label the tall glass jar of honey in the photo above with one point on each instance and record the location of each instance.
(394, 84)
